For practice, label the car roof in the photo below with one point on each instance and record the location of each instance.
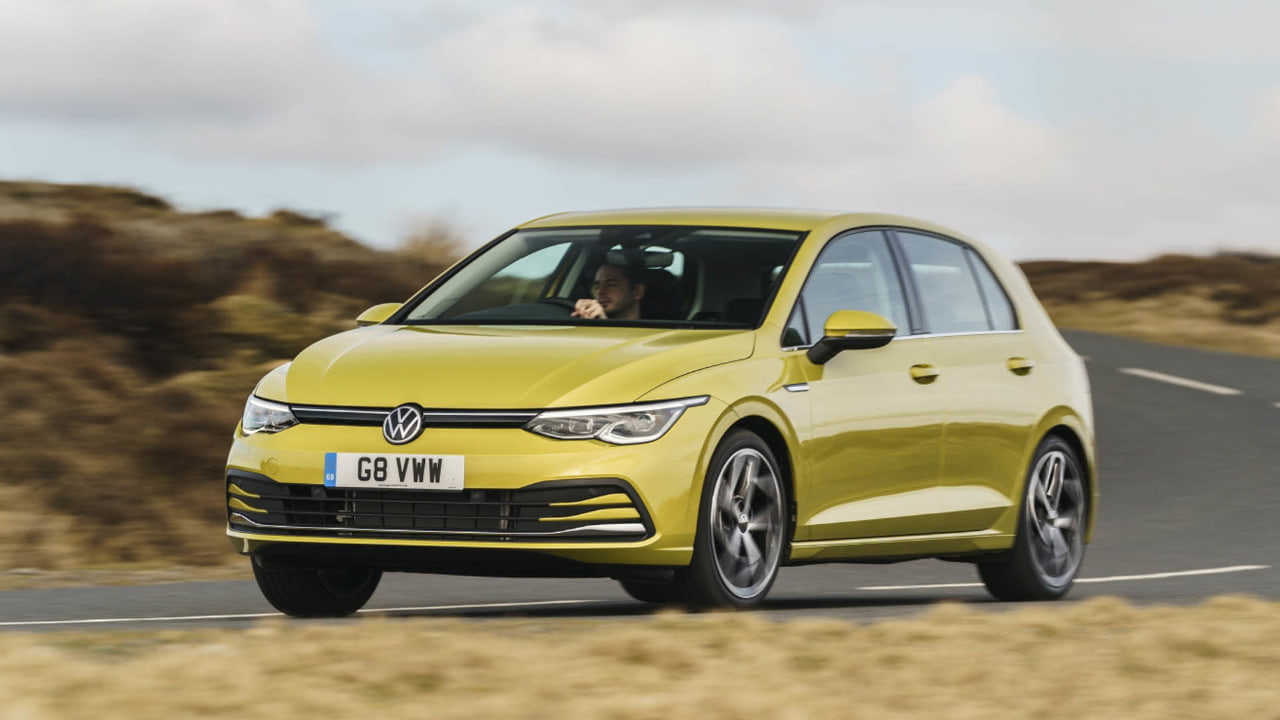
(760, 218)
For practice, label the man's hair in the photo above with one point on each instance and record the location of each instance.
(633, 274)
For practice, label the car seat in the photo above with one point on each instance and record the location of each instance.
(662, 296)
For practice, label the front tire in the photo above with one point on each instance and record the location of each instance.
(1049, 546)
(309, 593)
(742, 528)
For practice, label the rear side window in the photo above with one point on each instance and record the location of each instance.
(949, 293)
(998, 305)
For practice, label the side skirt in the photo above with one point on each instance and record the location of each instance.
(904, 547)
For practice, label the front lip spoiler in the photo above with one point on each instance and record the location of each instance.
(615, 529)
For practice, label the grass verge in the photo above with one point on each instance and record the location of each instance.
(1186, 320)
(28, 578)
(1100, 658)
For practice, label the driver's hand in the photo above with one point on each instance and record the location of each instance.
(588, 308)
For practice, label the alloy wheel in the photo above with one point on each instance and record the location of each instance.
(1055, 516)
(747, 523)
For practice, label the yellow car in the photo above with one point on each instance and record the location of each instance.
(683, 400)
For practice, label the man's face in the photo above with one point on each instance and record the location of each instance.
(616, 295)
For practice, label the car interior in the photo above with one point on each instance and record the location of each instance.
(692, 276)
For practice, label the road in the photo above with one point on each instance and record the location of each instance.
(1190, 466)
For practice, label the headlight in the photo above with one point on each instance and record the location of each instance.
(620, 425)
(266, 416)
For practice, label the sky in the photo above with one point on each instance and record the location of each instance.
(1088, 129)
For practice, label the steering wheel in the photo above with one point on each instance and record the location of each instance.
(565, 303)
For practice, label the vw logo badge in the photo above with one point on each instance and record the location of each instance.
(403, 424)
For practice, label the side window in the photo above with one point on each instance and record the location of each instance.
(854, 272)
(998, 305)
(948, 290)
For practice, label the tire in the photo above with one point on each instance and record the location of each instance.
(306, 593)
(743, 526)
(1054, 515)
(649, 592)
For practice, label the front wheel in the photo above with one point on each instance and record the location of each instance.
(328, 592)
(1049, 546)
(742, 528)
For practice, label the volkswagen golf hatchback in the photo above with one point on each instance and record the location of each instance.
(683, 400)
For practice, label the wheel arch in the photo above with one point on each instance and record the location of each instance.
(771, 425)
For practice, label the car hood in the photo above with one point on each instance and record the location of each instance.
(492, 367)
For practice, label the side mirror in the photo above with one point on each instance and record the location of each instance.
(851, 330)
(377, 314)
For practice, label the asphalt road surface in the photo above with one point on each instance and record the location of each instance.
(1190, 472)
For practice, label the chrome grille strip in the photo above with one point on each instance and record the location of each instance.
(333, 415)
(339, 415)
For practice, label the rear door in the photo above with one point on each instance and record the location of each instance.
(986, 379)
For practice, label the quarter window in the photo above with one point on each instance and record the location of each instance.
(948, 290)
(854, 272)
(1001, 310)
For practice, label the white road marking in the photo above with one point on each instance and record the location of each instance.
(544, 603)
(1180, 573)
(1113, 578)
(250, 616)
(1184, 382)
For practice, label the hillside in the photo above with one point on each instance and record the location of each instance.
(131, 332)
(1229, 301)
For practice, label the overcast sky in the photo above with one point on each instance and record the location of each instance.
(1078, 129)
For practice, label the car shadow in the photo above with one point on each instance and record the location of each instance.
(636, 609)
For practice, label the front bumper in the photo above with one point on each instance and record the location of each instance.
(574, 510)
(585, 502)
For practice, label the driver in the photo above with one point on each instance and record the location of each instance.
(618, 290)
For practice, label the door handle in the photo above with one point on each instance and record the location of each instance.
(1021, 365)
(924, 374)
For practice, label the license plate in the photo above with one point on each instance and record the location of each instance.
(377, 471)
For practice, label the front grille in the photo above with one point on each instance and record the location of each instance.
(597, 510)
(373, 417)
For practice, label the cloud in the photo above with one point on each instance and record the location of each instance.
(634, 88)
(1223, 31)
(652, 89)
(965, 160)
(155, 61)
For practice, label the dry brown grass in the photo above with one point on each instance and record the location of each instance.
(156, 572)
(130, 334)
(1097, 659)
(1186, 319)
(1229, 302)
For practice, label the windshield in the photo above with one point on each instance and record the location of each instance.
(627, 275)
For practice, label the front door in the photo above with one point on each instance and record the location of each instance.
(874, 454)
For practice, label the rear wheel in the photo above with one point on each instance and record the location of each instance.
(328, 592)
(742, 528)
(1049, 546)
